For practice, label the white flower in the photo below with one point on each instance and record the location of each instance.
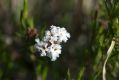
(54, 50)
(41, 47)
(60, 33)
(47, 36)
(51, 43)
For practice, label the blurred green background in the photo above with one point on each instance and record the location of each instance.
(91, 23)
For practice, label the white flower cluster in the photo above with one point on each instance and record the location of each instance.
(51, 44)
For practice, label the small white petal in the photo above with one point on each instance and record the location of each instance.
(37, 40)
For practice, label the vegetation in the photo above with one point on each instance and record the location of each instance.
(90, 54)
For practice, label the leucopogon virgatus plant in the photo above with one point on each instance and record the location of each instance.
(50, 45)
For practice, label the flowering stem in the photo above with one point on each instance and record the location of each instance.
(108, 55)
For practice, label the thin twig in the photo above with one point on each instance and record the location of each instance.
(108, 55)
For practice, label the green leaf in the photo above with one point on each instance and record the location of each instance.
(44, 74)
(81, 73)
(68, 75)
